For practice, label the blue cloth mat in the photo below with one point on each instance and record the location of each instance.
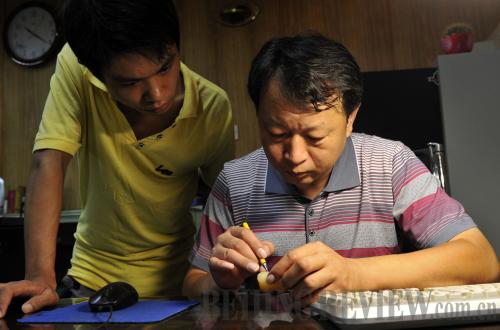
(146, 311)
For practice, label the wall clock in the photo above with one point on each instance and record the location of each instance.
(32, 34)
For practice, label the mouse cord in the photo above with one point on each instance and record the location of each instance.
(110, 314)
(105, 323)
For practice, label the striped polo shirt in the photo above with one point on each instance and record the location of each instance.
(378, 196)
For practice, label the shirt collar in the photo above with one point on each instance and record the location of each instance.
(94, 80)
(190, 105)
(345, 175)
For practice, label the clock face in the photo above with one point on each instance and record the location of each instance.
(31, 34)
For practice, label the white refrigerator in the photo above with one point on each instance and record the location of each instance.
(470, 101)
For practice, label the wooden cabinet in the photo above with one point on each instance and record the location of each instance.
(12, 249)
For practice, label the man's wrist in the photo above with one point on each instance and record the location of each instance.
(358, 276)
(211, 285)
(48, 278)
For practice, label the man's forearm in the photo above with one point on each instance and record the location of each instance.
(197, 283)
(43, 207)
(469, 259)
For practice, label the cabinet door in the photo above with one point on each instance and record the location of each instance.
(11, 253)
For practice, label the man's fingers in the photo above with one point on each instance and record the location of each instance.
(26, 288)
(7, 292)
(236, 242)
(289, 259)
(269, 246)
(258, 247)
(5, 299)
(240, 247)
(302, 270)
(16, 289)
(48, 297)
(234, 257)
(218, 264)
(312, 280)
(309, 299)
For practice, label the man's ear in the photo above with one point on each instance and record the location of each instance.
(350, 121)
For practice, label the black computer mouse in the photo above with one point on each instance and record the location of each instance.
(113, 296)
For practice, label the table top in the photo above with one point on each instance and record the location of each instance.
(222, 313)
(213, 315)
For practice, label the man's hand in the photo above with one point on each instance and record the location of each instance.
(235, 256)
(40, 295)
(311, 268)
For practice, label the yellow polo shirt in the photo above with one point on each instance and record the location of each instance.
(135, 224)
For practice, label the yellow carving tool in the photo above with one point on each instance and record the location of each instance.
(262, 260)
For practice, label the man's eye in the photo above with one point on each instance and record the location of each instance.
(314, 139)
(278, 136)
(128, 83)
(164, 68)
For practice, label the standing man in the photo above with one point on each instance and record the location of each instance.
(329, 208)
(143, 126)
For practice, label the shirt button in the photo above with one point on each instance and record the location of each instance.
(141, 145)
(310, 212)
(311, 233)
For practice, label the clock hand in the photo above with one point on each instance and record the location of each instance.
(36, 35)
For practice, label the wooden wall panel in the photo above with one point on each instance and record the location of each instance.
(381, 34)
(417, 26)
(2, 55)
(24, 91)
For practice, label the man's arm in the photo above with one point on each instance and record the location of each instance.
(43, 207)
(466, 258)
(234, 257)
(198, 282)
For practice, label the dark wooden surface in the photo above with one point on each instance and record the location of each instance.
(203, 316)
(209, 315)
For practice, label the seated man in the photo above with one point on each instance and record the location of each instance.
(331, 207)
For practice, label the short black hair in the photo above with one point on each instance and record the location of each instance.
(97, 30)
(309, 69)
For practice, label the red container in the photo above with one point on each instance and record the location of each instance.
(459, 42)
(11, 201)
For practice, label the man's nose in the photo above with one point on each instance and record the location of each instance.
(296, 150)
(154, 90)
